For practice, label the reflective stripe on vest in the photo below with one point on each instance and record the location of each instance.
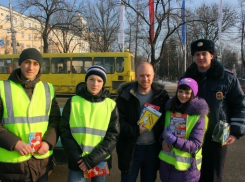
(180, 159)
(89, 121)
(22, 115)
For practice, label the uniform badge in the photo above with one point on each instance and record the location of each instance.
(200, 44)
(219, 95)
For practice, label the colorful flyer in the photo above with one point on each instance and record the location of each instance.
(148, 105)
(35, 139)
(178, 124)
(99, 170)
(149, 117)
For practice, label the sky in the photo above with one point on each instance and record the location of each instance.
(193, 2)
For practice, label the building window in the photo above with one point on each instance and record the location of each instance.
(35, 37)
(7, 17)
(36, 27)
(15, 20)
(22, 24)
(7, 30)
(7, 42)
(29, 25)
(22, 35)
(29, 36)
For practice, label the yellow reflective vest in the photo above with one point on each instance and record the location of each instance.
(89, 121)
(22, 115)
(180, 159)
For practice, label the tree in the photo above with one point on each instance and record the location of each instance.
(44, 12)
(167, 21)
(102, 23)
(205, 24)
(70, 31)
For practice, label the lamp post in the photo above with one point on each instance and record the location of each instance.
(13, 32)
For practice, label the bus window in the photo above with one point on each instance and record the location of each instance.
(60, 65)
(5, 65)
(45, 68)
(132, 64)
(119, 64)
(81, 64)
(106, 62)
(15, 63)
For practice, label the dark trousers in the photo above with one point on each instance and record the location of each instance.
(145, 160)
(43, 178)
(213, 161)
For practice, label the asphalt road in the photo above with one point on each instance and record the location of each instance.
(233, 172)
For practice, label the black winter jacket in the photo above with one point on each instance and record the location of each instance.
(34, 168)
(220, 81)
(129, 113)
(101, 151)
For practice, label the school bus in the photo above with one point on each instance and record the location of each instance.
(66, 71)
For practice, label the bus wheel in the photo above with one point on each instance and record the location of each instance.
(80, 86)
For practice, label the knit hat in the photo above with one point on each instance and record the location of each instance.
(31, 53)
(96, 70)
(191, 83)
(202, 45)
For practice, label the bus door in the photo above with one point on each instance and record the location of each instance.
(61, 76)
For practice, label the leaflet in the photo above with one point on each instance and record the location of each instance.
(99, 170)
(178, 124)
(149, 117)
(35, 139)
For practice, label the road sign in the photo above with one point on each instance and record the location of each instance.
(1, 42)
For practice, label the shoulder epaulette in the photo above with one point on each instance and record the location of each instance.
(227, 70)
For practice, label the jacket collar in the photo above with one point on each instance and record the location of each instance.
(197, 106)
(15, 76)
(126, 90)
(215, 71)
(94, 98)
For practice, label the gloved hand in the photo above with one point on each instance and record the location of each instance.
(168, 136)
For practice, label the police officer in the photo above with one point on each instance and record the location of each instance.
(27, 106)
(222, 91)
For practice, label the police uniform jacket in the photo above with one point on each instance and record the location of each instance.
(223, 93)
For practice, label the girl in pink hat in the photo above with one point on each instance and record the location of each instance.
(185, 125)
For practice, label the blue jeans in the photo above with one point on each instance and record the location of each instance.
(145, 160)
(77, 176)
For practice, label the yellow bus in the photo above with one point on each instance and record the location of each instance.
(66, 71)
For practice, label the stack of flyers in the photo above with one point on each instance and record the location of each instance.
(149, 117)
(35, 139)
(226, 133)
(149, 106)
(99, 170)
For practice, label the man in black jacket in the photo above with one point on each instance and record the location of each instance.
(222, 91)
(138, 148)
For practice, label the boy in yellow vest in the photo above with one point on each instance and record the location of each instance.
(27, 107)
(89, 126)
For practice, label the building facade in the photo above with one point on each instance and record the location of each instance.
(28, 34)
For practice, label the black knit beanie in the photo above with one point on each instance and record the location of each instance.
(31, 53)
(96, 70)
(202, 45)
